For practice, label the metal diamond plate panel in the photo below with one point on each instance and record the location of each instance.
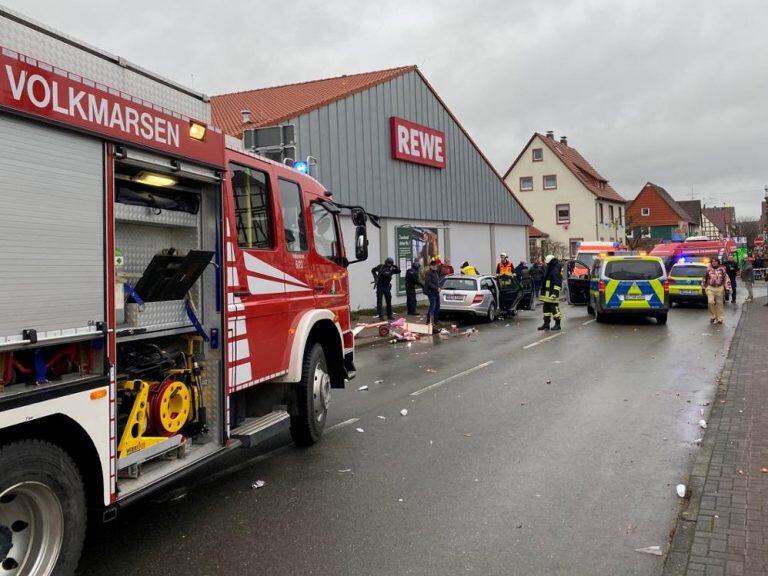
(146, 215)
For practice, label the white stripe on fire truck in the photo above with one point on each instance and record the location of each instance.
(239, 350)
(242, 373)
(232, 279)
(253, 264)
(236, 328)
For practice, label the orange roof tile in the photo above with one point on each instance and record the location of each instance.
(534, 232)
(271, 106)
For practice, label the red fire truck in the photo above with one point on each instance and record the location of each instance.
(164, 295)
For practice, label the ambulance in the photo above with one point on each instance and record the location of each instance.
(165, 295)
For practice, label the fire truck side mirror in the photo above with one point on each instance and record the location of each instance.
(358, 216)
(361, 243)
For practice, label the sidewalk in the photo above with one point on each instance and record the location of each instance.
(724, 530)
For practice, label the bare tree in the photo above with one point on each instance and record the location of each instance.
(749, 229)
(558, 249)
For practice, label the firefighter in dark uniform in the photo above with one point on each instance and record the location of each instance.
(382, 278)
(550, 292)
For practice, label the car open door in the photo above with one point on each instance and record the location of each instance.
(578, 282)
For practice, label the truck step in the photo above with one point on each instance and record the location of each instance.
(254, 431)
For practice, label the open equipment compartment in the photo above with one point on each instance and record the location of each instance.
(168, 315)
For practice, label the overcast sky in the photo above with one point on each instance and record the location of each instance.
(675, 92)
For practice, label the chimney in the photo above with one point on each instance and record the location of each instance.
(564, 140)
(550, 134)
(246, 114)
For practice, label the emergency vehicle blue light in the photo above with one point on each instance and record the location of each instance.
(302, 167)
(681, 261)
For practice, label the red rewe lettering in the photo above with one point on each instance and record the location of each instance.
(415, 143)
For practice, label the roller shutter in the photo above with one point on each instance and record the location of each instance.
(51, 230)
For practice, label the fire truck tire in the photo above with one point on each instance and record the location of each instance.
(42, 508)
(313, 394)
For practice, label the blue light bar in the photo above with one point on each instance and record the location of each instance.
(302, 167)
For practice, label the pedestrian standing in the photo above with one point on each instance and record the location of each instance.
(732, 269)
(519, 269)
(412, 280)
(550, 293)
(432, 290)
(715, 283)
(382, 278)
(748, 276)
(537, 275)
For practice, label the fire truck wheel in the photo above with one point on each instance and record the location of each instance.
(42, 510)
(313, 394)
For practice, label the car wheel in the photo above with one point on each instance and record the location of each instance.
(662, 318)
(600, 317)
(42, 509)
(491, 312)
(313, 394)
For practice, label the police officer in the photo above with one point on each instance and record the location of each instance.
(550, 292)
(382, 278)
(412, 280)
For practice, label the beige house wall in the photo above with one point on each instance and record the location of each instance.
(541, 204)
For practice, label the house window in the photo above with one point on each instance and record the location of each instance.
(550, 182)
(526, 183)
(601, 214)
(645, 211)
(573, 246)
(538, 154)
(610, 214)
(563, 213)
(621, 217)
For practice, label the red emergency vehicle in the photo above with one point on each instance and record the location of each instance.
(165, 295)
(695, 247)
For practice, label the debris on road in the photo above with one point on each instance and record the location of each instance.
(764, 470)
(404, 412)
(548, 381)
(740, 472)
(378, 381)
(468, 435)
(359, 429)
(655, 550)
(431, 370)
(703, 423)
(363, 388)
(345, 470)
(258, 484)
(381, 417)
(681, 490)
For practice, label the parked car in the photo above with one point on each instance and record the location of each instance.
(685, 282)
(481, 296)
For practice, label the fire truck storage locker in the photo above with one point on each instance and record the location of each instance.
(51, 232)
(167, 242)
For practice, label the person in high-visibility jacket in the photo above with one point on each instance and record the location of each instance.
(550, 292)
(468, 270)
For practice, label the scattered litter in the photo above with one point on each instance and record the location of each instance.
(378, 381)
(477, 480)
(506, 325)
(404, 412)
(519, 526)
(548, 381)
(764, 470)
(468, 435)
(409, 344)
(701, 411)
(431, 442)
(655, 550)
(258, 484)
(470, 331)
(557, 362)
(706, 334)
(381, 417)
(697, 441)
(399, 499)
(704, 404)
(400, 322)
(681, 490)
(703, 423)
(363, 388)
(522, 403)
(359, 429)
(345, 470)
(444, 332)
(741, 472)
(431, 370)
(665, 438)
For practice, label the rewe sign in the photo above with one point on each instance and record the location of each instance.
(416, 143)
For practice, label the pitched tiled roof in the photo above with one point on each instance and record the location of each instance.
(672, 203)
(692, 208)
(724, 218)
(579, 166)
(271, 106)
(534, 232)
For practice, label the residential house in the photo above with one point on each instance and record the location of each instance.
(655, 214)
(564, 193)
(723, 219)
(693, 209)
(535, 239)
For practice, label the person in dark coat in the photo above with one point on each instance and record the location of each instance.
(732, 269)
(412, 280)
(519, 270)
(382, 278)
(432, 290)
(537, 275)
(550, 292)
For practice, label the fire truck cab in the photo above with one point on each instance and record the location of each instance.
(164, 294)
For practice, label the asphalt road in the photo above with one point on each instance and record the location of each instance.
(526, 456)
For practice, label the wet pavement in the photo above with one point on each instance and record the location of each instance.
(522, 453)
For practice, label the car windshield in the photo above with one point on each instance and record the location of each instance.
(586, 259)
(685, 271)
(633, 270)
(460, 284)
